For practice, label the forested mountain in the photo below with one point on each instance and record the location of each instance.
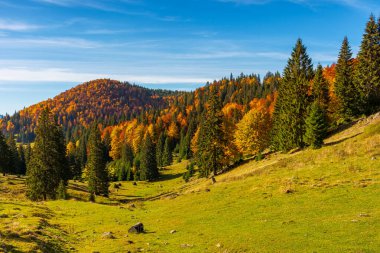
(106, 101)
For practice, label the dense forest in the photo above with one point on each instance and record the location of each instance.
(105, 130)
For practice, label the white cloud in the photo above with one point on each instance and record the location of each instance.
(67, 75)
(49, 42)
(16, 26)
(362, 5)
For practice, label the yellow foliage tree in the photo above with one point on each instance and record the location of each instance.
(252, 132)
(116, 144)
(173, 131)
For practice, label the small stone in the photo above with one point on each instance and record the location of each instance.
(137, 228)
(373, 158)
(218, 245)
(186, 245)
(172, 231)
(108, 235)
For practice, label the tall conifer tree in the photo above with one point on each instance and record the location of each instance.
(96, 164)
(367, 74)
(211, 141)
(160, 150)
(167, 156)
(4, 154)
(345, 91)
(47, 165)
(148, 166)
(320, 89)
(292, 102)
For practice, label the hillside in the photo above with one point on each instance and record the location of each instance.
(322, 200)
(104, 100)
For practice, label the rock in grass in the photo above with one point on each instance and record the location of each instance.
(186, 245)
(108, 235)
(172, 231)
(138, 228)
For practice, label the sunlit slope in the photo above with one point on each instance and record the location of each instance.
(324, 200)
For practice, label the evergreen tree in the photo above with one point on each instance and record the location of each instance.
(316, 126)
(61, 192)
(320, 89)
(292, 101)
(22, 160)
(127, 154)
(167, 156)
(148, 165)
(47, 164)
(4, 155)
(346, 93)
(211, 141)
(160, 150)
(367, 74)
(96, 164)
(13, 162)
(28, 153)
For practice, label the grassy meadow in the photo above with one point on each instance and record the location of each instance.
(324, 200)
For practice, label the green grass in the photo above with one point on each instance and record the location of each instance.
(323, 200)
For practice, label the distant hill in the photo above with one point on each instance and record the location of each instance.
(103, 100)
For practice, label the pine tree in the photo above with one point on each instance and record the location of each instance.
(292, 101)
(47, 165)
(28, 153)
(346, 93)
(148, 165)
(160, 150)
(4, 155)
(367, 74)
(22, 160)
(211, 142)
(320, 88)
(316, 126)
(61, 192)
(13, 164)
(96, 164)
(167, 156)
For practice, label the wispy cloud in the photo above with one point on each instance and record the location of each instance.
(362, 5)
(7, 25)
(68, 75)
(49, 42)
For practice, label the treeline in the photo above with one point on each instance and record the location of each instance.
(218, 125)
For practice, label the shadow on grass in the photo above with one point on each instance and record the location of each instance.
(166, 177)
(42, 241)
(341, 140)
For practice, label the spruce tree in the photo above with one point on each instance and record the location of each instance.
(167, 156)
(4, 155)
(367, 74)
(13, 164)
(292, 102)
(22, 160)
(346, 93)
(320, 89)
(148, 165)
(96, 165)
(47, 165)
(316, 126)
(211, 141)
(160, 150)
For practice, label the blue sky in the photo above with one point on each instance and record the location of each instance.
(48, 46)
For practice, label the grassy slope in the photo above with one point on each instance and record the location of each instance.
(333, 206)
